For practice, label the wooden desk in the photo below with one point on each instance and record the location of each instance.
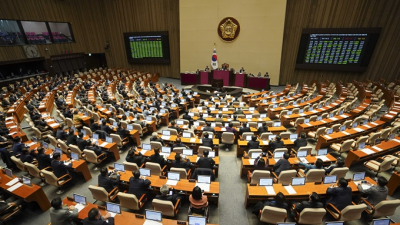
(273, 112)
(263, 106)
(15, 129)
(111, 147)
(47, 103)
(259, 193)
(30, 194)
(195, 144)
(242, 146)
(312, 126)
(393, 183)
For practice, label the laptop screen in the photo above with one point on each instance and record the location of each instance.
(271, 137)
(186, 135)
(144, 172)
(80, 199)
(146, 146)
(166, 150)
(187, 152)
(329, 131)
(378, 141)
(330, 179)
(249, 116)
(112, 207)
(361, 145)
(109, 139)
(278, 155)
(75, 156)
(95, 136)
(263, 115)
(115, 124)
(9, 172)
(166, 133)
(306, 120)
(254, 155)
(381, 222)
(153, 215)
(252, 108)
(204, 179)
(302, 154)
(293, 136)
(391, 137)
(298, 181)
(323, 151)
(148, 118)
(265, 182)
(319, 118)
(58, 150)
(355, 125)
(119, 167)
(211, 154)
(213, 124)
(174, 176)
(129, 127)
(197, 220)
(277, 124)
(26, 180)
(334, 223)
(179, 122)
(45, 145)
(342, 128)
(84, 132)
(248, 138)
(359, 176)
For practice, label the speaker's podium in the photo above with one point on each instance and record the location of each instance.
(217, 83)
(223, 75)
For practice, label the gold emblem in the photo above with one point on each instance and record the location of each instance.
(228, 29)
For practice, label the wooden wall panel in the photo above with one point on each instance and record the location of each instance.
(385, 62)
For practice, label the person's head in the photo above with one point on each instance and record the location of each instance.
(264, 124)
(303, 135)
(208, 124)
(253, 137)
(104, 171)
(61, 127)
(206, 135)
(124, 117)
(94, 214)
(25, 151)
(154, 134)
(56, 156)
(156, 150)
(342, 182)
(136, 174)
(314, 197)
(40, 149)
(104, 122)
(70, 132)
(164, 190)
(76, 112)
(280, 198)
(286, 155)
(17, 139)
(382, 181)
(119, 125)
(91, 120)
(205, 153)
(278, 138)
(261, 163)
(56, 203)
(196, 194)
(319, 164)
(178, 140)
(230, 125)
(80, 134)
(178, 157)
(172, 123)
(187, 113)
(340, 162)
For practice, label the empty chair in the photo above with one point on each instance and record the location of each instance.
(313, 118)
(130, 201)
(264, 136)
(100, 194)
(76, 150)
(178, 150)
(347, 123)
(379, 166)
(315, 134)
(63, 146)
(350, 212)
(383, 208)
(313, 175)
(298, 121)
(173, 131)
(339, 172)
(272, 215)
(51, 179)
(373, 137)
(93, 158)
(345, 146)
(53, 141)
(285, 135)
(119, 141)
(385, 133)
(155, 168)
(285, 177)
(245, 134)
(155, 144)
(166, 207)
(335, 127)
(310, 216)
(252, 151)
(88, 131)
(361, 139)
(139, 128)
(254, 178)
(34, 171)
(228, 138)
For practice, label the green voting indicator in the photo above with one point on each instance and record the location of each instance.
(146, 47)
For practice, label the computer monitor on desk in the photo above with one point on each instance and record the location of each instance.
(358, 176)
(119, 167)
(265, 182)
(9, 172)
(153, 215)
(186, 135)
(145, 172)
(205, 179)
(114, 208)
(95, 137)
(187, 152)
(330, 179)
(129, 127)
(302, 153)
(166, 150)
(26, 181)
(174, 176)
(80, 199)
(334, 223)
(381, 222)
(298, 181)
(109, 139)
(197, 220)
(248, 138)
(278, 155)
(254, 155)
(323, 151)
(166, 133)
(146, 147)
(74, 156)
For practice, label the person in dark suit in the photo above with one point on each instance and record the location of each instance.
(208, 128)
(154, 137)
(59, 168)
(26, 156)
(60, 215)
(122, 132)
(157, 158)
(178, 143)
(339, 163)
(340, 196)
(253, 144)
(61, 134)
(208, 142)
(105, 127)
(376, 193)
(132, 157)
(205, 162)
(263, 128)
(314, 202)
(174, 126)
(282, 164)
(187, 116)
(95, 218)
(106, 182)
(178, 163)
(43, 159)
(138, 185)
(67, 113)
(82, 144)
(279, 202)
(277, 143)
(260, 164)
(17, 147)
(71, 138)
(94, 126)
(244, 128)
(164, 190)
(300, 141)
(95, 148)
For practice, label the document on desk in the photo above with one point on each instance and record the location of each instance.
(333, 118)
(184, 126)
(104, 144)
(270, 190)
(358, 129)
(79, 207)
(14, 187)
(368, 151)
(327, 137)
(12, 182)
(265, 142)
(302, 114)
(203, 186)
(377, 148)
(143, 151)
(223, 129)
(167, 137)
(192, 139)
(324, 158)
(323, 121)
(314, 111)
(54, 124)
(344, 132)
(200, 141)
(303, 160)
(151, 222)
(367, 126)
(344, 116)
(172, 182)
(251, 161)
(290, 190)
(30, 144)
(364, 186)
(374, 123)
(396, 140)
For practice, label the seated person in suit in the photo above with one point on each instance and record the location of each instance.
(313, 202)
(230, 128)
(219, 118)
(26, 156)
(175, 126)
(154, 137)
(135, 157)
(198, 201)
(137, 185)
(340, 196)
(94, 126)
(208, 142)
(95, 218)
(61, 134)
(178, 143)
(301, 141)
(157, 158)
(377, 193)
(94, 147)
(107, 182)
(277, 143)
(67, 113)
(205, 162)
(279, 202)
(266, 75)
(82, 144)
(77, 119)
(122, 132)
(59, 168)
(43, 159)
(319, 164)
(263, 128)
(164, 190)
(187, 116)
(62, 215)
(105, 127)
(178, 163)
(71, 138)
(259, 74)
(253, 144)
(208, 128)
(260, 164)
(339, 164)
(17, 147)
(282, 164)
(244, 128)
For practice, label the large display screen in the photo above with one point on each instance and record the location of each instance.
(342, 49)
(147, 47)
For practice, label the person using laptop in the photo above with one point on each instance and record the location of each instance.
(244, 128)
(219, 119)
(198, 201)
(187, 117)
(106, 181)
(178, 143)
(178, 163)
(43, 159)
(95, 218)
(137, 185)
(205, 162)
(208, 128)
(17, 147)
(300, 141)
(208, 142)
(94, 126)
(319, 164)
(165, 196)
(175, 127)
(253, 143)
(339, 164)
(105, 127)
(135, 157)
(313, 202)
(263, 128)
(61, 134)
(122, 132)
(154, 137)
(157, 158)
(260, 164)
(279, 202)
(340, 196)
(27, 156)
(277, 143)
(282, 164)
(59, 168)
(230, 128)
(82, 144)
(60, 215)
(71, 138)
(377, 193)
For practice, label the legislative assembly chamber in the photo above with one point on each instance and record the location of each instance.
(196, 112)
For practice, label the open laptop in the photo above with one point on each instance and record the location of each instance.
(145, 172)
(378, 141)
(74, 156)
(263, 115)
(293, 137)
(252, 108)
(80, 199)
(289, 113)
(354, 125)
(392, 136)
(301, 155)
(146, 147)
(113, 208)
(330, 179)
(197, 220)
(109, 139)
(115, 124)
(165, 150)
(9, 172)
(26, 181)
(343, 128)
(329, 131)
(271, 137)
(173, 178)
(381, 222)
(45, 145)
(187, 152)
(254, 155)
(249, 116)
(298, 181)
(179, 122)
(359, 176)
(166, 133)
(129, 127)
(277, 124)
(211, 154)
(322, 151)
(153, 215)
(306, 120)
(204, 179)
(57, 150)
(319, 118)
(95, 137)
(265, 182)
(119, 167)
(361, 145)
(334, 223)
(278, 155)
(186, 135)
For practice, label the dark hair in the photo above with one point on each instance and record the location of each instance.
(382, 181)
(172, 123)
(178, 156)
(319, 164)
(93, 213)
(230, 124)
(196, 194)
(104, 122)
(280, 198)
(104, 171)
(343, 182)
(253, 137)
(244, 124)
(119, 124)
(206, 135)
(315, 197)
(71, 132)
(265, 124)
(124, 117)
(156, 150)
(40, 149)
(80, 134)
(286, 155)
(340, 161)
(17, 139)
(136, 174)
(178, 140)
(187, 112)
(205, 153)
(303, 135)
(261, 163)
(278, 137)
(56, 156)
(56, 203)
(208, 124)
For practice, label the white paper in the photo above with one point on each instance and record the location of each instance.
(79, 207)
(303, 160)
(13, 127)
(302, 114)
(270, 190)
(374, 123)
(327, 137)
(251, 161)
(367, 126)
(396, 140)
(344, 116)
(192, 139)
(13, 188)
(172, 182)
(314, 111)
(167, 137)
(368, 151)
(54, 124)
(377, 148)
(112, 214)
(324, 158)
(265, 142)
(223, 129)
(30, 144)
(200, 141)
(290, 190)
(151, 222)
(308, 124)
(203, 186)
(143, 151)
(333, 118)
(344, 132)
(323, 121)
(12, 182)
(104, 144)
(358, 129)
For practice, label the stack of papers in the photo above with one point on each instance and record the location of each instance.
(333, 118)
(374, 123)
(167, 137)
(308, 124)
(314, 111)
(270, 190)
(327, 137)
(344, 132)
(344, 116)
(367, 126)
(290, 190)
(13, 188)
(172, 182)
(223, 129)
(303, 160)
(324, 158)
(79, 207)
(265, 142)
(302, 114)
(368, 151)
(54, 124)
(30, 144)
(203, 186)
(104, 144)
(251, 161)
(364, 186)
(143, 151)
(377, 148)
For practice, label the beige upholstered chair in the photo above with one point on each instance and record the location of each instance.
(272, 215)
(35, 172)
(264, 136)
(183, 174)
(316, 134)
(155, 168)
(69, 121)
(202, 149)
(313, 175)
(139, 128)
(361, 139)
(76, 150)
(251, 151)
(166, 207)
(245, 134)
(285, 177)
(310, 216)
(379, 166)
(100, 194)
(119, 142)
(88, 131)
(130, 201)
(383, 208)
(130, 166)
(339, 172)
(342, 147)
(385, 132)
(373, 137)
(228, 138)
(173, 131)
(298, 121)
(178, 150)
(53, 141)
(351, 212)
(254, 178)
(64, 147)
(19, 164)
(155, 144)
(93, 158)
(285, 135)
(304, 148)
(51, 179)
